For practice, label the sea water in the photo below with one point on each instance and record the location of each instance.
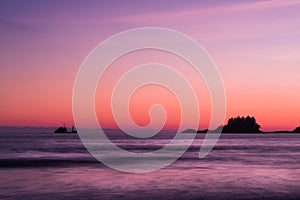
(241, 166)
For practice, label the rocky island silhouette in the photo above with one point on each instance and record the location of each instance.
(234, 125)
(240, 125)
(63, 129)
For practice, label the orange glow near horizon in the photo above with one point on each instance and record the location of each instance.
(149, 95)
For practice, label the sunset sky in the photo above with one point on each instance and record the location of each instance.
(255, 44)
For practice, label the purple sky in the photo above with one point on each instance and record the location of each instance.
(256, 45)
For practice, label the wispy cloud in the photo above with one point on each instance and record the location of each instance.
(203, 12)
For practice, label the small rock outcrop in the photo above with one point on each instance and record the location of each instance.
(297, 130)
(61, 129)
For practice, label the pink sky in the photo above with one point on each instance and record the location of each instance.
(255, 44)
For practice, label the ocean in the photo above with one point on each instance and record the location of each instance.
(241, 166)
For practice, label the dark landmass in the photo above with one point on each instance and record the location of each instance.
(239, 125)
(234, 125)
(63, 129)
(297, 130)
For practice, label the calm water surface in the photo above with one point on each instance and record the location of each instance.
(243, 166)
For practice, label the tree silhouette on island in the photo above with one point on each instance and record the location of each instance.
(240, 125)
